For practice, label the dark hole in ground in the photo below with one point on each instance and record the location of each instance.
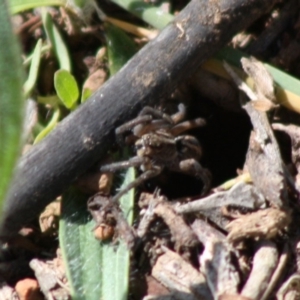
(224, 141)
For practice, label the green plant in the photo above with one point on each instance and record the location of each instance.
(11, 101)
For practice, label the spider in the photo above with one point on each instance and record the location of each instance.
(159, 145)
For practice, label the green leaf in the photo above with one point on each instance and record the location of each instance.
(95, 270)
(17, 6)
(52, 101)
(59, 47)
(86, 93)
(11, 100)
(34, 68)
(147, 12)
(120, 48)
(66, 88)
(51, 125)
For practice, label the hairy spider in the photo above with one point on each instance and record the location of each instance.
(159, 145)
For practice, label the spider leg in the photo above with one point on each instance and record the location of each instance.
(142, 129)
(193, 168)
(144, 123)
(143, 177)
(180, 115)
(184, 126)
(135, 161)
(147, 110)
(188, 146)
(131, 124)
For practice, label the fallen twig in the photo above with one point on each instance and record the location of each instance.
(263, 161)
(182, 234)
(180, 277)
(221, 274)
(205, 232)
(262, 224)
(277, 273)
(264, 264)
(241, 194)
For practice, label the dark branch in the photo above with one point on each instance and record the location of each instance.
(85, 136)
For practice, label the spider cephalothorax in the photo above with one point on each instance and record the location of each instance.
(159, 145)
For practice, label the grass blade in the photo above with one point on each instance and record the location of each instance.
(17, 6)
(149, 13)
(120, 48)
(95, 270)
(50, 126)
(287, 87)
(11, 100)
(34, 68)
(59, 47)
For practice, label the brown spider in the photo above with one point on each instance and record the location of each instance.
(159, 145)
